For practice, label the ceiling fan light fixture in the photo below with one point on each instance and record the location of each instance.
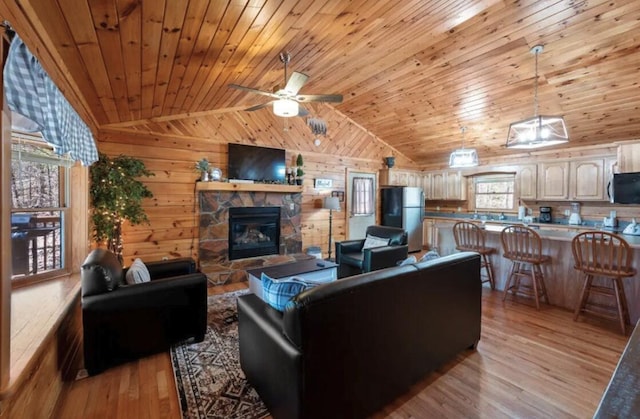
(538, 131)
(285, 108)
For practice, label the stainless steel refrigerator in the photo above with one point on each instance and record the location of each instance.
(403, 206)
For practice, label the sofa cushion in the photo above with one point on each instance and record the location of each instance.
(373, 241)
(137, 273)
(101, 272)
(277, 293)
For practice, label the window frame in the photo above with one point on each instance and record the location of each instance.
(64, 208)
(494, 178)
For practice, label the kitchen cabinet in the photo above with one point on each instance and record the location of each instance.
(426, 185)
(586, 180)
(629, 157)
(553, 181)
(527, 181)
(456, 186)
(399, 177)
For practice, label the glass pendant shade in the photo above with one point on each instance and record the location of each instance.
(539, 131)
(463, 157)
(285, 108)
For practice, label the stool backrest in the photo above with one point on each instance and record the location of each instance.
(601, 252)
(468, 236)
(521, 243)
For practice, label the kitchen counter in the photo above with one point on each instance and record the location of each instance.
(563, 282)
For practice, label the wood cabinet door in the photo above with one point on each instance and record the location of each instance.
(553, 181)
(587, 180)
(456, 186)
(426, 185)
(438, 185)
(527, 181)
(629, 158)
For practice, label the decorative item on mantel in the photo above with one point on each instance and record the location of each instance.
(299, 171)
(538, 131)
(390, 161)
(215, 175)
(203, 166)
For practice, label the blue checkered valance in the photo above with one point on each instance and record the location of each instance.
(31, 93)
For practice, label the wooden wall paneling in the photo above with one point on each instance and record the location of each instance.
(130, 25)
(152, 28)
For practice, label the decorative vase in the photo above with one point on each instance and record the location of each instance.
(204, 176)
(390, 161)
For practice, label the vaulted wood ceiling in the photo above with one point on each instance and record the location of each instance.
(411, 72)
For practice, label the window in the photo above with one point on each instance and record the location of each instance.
(362, 201)
(39, 207)
(494, 192)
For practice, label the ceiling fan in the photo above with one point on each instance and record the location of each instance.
(286, 101)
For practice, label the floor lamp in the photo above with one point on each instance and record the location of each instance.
(332, 203)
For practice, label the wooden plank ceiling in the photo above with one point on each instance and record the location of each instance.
(411, 72)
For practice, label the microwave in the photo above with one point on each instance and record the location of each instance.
(625, 188)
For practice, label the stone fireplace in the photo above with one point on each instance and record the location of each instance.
(216, 233)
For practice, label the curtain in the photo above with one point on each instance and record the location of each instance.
(31, 93)
(362, 196)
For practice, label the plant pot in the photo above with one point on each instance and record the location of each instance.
(298, 182)
(390, 161)
(204, 176)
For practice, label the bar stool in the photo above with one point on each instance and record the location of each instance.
(469, 237)
(605, 255)
(523, 247)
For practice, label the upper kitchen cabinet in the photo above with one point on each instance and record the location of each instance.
(399, 177)
(587, 180)
(553, 181)
(629, 157)
(527, 181)
(456, 186)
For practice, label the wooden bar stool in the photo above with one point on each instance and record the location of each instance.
(605, 255)
(523, 247)
(470, 238)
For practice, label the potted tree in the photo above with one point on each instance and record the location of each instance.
(299, 171)
(116, 196)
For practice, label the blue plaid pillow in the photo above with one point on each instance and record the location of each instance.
(278, 293)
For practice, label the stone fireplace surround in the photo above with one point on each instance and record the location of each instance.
(213, 243)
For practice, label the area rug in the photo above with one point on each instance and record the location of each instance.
(208, 376)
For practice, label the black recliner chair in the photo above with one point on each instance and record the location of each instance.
(352, 259)
(125, 322)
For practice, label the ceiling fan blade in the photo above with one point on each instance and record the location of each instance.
(319, 98)
(252, 90)
(256, 107)
(295, 83)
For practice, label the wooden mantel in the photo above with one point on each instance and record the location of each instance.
(247, 187)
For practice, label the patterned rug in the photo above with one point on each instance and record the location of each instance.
(208, 375)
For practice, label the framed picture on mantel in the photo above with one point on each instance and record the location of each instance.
(323, 183)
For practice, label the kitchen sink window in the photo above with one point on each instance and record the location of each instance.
(39, 206)
(494, 193)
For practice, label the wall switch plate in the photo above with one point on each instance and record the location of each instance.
(567, 213)
(292, 206)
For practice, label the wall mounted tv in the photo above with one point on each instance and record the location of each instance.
(260, 164)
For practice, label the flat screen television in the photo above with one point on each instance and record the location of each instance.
(260, 164)
(626, 188)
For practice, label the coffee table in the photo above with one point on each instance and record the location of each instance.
(316, 271)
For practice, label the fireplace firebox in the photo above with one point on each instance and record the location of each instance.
(253, 231)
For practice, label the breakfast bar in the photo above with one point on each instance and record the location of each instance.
(564, 283)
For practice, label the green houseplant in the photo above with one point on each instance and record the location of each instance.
(299, 171)
(203, 166)
(116, 196)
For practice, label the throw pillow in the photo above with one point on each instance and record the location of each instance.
(373, 241)
(408, 261)
(137, 273)
(278, 293)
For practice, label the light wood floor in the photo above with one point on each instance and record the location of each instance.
(528, 364)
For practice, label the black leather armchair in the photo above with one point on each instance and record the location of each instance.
(353, 259)
(125, 322)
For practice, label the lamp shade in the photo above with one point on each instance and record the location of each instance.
(331, 203)
(539, 131)
(463, 157)
(285, 107)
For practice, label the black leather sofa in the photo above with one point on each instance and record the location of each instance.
(348, 348)
(125, 322)
(352, 259)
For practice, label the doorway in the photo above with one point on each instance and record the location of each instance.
(358, 218)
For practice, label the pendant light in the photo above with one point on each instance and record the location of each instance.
(463, 157)
(538, 131)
